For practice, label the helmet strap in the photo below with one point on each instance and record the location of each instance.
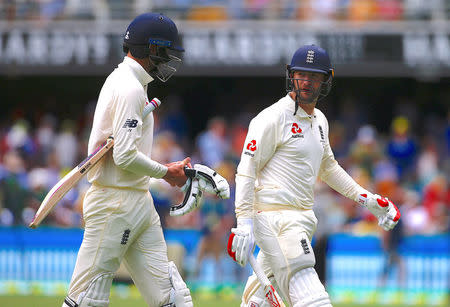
(296, 105)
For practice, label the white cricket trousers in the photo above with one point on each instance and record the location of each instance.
(283, 236)
(122, 224)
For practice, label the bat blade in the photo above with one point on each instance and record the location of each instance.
(269, 290)
(69, 181)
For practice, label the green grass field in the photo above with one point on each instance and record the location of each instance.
(44, 301)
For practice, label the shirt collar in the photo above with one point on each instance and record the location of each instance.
(290, 105)
(140, 73)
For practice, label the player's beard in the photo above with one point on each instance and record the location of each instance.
(307, 96)
(305, 93)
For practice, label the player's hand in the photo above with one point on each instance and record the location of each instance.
(384, 210)
(175, 175)
(241, 242)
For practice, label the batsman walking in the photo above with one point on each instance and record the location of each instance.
(121, 222)
(286, 149)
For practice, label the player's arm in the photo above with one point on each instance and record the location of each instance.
(126, 116)
(338, 179)
(260, 145)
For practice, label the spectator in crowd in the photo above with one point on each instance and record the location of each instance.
(219, 10)
(14, 188)
(402, 148)
(19, 139)
(216, 219)
(45, 135)
(337, 141)
(436, 201)
(66, 145)
(391, 240)
(365, 151)
(427, 162)
(390, 243)
(173, 119)
(331, 219)
(416, 217)
(212, 143)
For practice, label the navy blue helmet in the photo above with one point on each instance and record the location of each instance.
(310, 58)
(154, 35)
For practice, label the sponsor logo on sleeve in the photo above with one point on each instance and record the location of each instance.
(251, 147)
(296, 131)
(130, 124)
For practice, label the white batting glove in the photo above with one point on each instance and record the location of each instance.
(200, 178)
(192, 198)
(384, 210)
(241, 242)
(210, 181)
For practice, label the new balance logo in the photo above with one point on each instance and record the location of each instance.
(130, 123)
(305, 246)
(125, 236)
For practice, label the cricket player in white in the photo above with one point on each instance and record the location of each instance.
(286, 149)
(121, 222)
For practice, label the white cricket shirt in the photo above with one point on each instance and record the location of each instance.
(282, 157)
(119, 113)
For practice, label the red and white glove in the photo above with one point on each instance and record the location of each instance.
(384, 210)
(241, 242)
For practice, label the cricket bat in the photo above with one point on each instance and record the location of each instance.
(73, 177)
(269, 290)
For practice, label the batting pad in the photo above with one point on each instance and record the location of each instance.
(180, 296)
(306, 290)
(97, 293)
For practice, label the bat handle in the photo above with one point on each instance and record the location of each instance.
(150, 107)
(258, 271)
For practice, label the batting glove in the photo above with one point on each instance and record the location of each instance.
(384, 210)
(192, 198)
(241, 242)
(200, 178)
(210, 181)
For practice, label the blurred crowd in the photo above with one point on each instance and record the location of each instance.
(219, 10)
